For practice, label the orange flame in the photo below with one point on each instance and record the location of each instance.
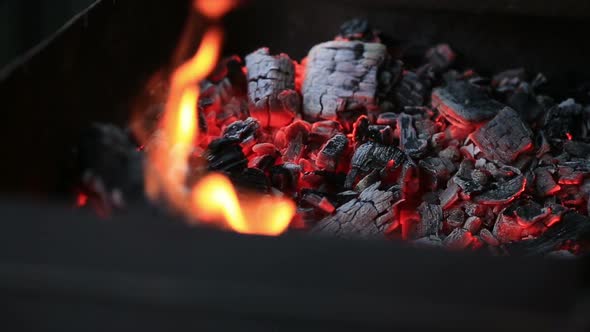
(214, 197)
(214, 9)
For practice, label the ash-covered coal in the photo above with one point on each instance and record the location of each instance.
(370, 147)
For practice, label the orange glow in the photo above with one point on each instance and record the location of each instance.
(214, 198)
(214, 9)
(81, 200)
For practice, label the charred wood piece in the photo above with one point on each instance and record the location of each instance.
(331, 153)
(271, 88)
(358, 29)
(244, 131)
(563, 119)
(367, 216)
(370, 156)
(439, 169)
(341, 76)
(415, 147)
(225, 154)
(411, 91)
(430, 223)
(503, 138)
(504, 192)
(464, 104)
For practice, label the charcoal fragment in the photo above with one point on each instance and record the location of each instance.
(331, 153)
(503, 138)
(504, 192)
(440, 57)
(563, 119)
(458, 239)
(360, 217)
(409, 142)
(371, 156)
(431, 216)
(473, 224)
(225, 154)
(464, 104)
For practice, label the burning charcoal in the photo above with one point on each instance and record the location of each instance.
(431, 217)
(409, 143)
(449, 196)
(318, 201)
(577, 149)
(504, 192)
(573, 226)
(439, 169)
(563, 119)
(473, 224)
(440, 57)
(412, 90)
(244, 131)
(389, 119)
(507, 229)
(285, 177)
(371, 156)
(357, 29)
(544, 183)
(341, 77)
(456, 218)
(325, 129)
(530, 213)
(331, 153)
(225, 154)
(464, 104)
(368, 181)
(357, 218)
(251, 179)
(106, 155)
(567, 175)
(360, 130)
(463, 178)
(271, 88)
(458, 239)
(504, 137)
(473, 209)
(488, 238)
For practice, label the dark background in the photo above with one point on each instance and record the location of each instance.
(23, 24)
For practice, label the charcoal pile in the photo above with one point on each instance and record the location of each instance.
(369, 147)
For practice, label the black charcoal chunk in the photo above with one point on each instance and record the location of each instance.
(367, 216)
(412, 90)
(464, 104)
(504, 138)
(370, 156)
(440, 57)
(251, 179)
(225, 154)
(439, 169)
(331, 153)
(504, 192)
(458, 239)
(409, 142)
(563, 119)
(244, 131)
(431, 216)
(464, 178)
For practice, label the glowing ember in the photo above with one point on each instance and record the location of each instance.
(81, 200)
(213, 198)
(569, 136)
